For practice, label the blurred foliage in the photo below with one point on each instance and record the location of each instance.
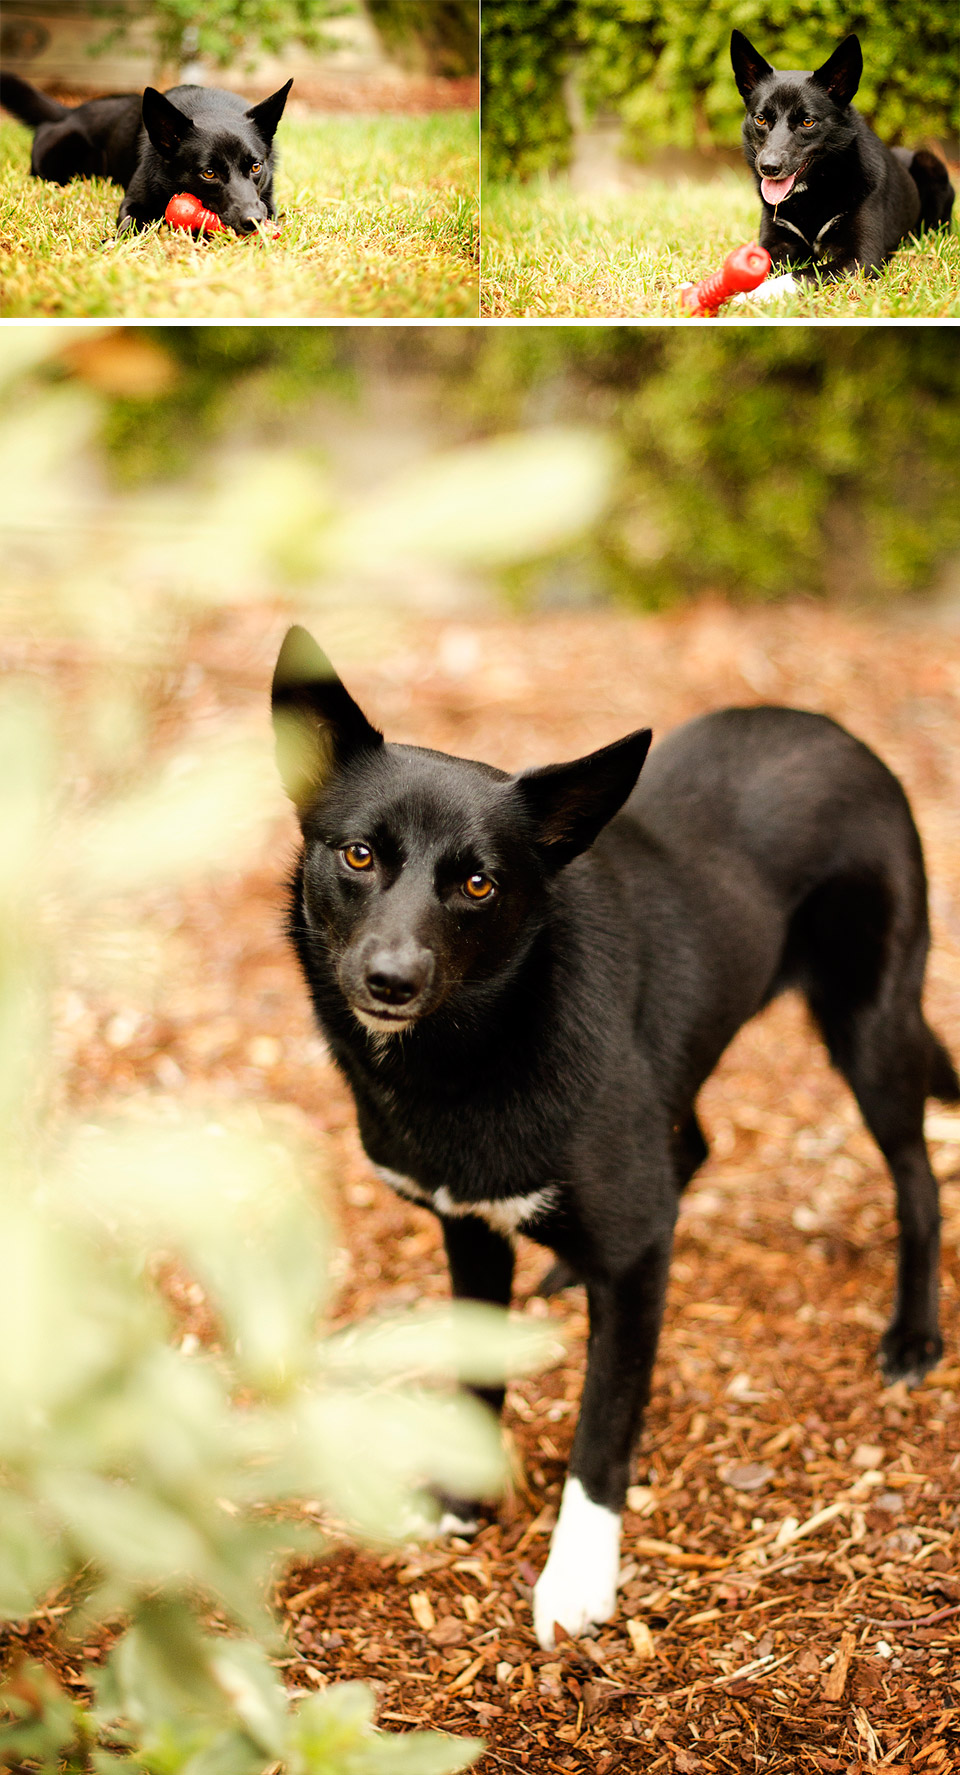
(525, 59)
(665, 67)
(229, 30)
(443, 35)
(763, 462)
(153, 1485)
(753, 462)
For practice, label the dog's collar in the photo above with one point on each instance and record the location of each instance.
(781, 222)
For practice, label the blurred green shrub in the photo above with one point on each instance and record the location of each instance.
(224, 31)
(143, 1484)
(525, 59)
(665, 67)
(442, 34)
(751, 462)
(760, 463)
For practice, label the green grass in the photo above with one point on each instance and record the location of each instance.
(379, 218)
(550, 250)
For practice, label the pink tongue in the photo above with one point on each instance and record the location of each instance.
(775, 190)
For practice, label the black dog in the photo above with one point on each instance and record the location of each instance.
(835, 199)
(526, 988)
(195, 138)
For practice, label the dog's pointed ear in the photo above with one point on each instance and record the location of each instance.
(268, 113)
(317, 724)
(749, 68)
(568, 804)
(165, 124)
(840, 74)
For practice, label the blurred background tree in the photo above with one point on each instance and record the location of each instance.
(440, 36)
(753, 463)
(664, 68)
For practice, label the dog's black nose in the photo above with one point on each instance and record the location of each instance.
(770, 169)
(391, 989)
(393, 985)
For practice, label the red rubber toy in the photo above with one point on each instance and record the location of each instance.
(744, 269)
(186, 211)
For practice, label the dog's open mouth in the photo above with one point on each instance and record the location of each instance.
(775, 190)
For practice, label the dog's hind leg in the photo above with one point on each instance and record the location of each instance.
(865, 994)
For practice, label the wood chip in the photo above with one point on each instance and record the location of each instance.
(835, 1680)
(421, 1610)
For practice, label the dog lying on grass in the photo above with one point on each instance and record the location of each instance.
(194, 138)
(835, 198)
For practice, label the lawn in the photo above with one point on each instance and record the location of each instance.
(551, 250)
(379, 218)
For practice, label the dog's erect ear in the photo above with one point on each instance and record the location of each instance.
(268, 113)
(166, 126)
(317, 724)
(840, 76)
(568, 804)
(749, 68)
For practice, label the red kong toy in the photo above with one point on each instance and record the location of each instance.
(186, 211)
(744, 269)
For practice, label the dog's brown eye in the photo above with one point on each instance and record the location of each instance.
(207, 174)
(357, 856)
(478, 887)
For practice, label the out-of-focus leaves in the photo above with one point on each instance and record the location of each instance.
(204, 812)
(473, 1343)
(398, 1442)
(487, 504)
(29, 1562)
(236, 1211)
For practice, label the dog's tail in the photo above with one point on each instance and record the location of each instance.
(27, 103)
(936, 192)
(944, 1082)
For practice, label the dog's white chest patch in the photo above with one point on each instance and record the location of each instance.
(578, 1584)
(504, 1214)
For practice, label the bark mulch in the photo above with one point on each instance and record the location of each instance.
(790, 1595)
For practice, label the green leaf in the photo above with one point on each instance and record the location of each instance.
(467, 1341)
(488, 504)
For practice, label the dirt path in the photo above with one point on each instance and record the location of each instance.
(738, 1644)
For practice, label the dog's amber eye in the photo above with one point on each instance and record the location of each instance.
(762, 122)
(207, 174)
(357, 856)
(478, 887)
(257, 166)
(809, 122)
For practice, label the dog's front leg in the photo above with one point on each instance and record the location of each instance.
(578, 1584)
(481, 1265)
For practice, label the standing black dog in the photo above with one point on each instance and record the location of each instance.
(194, 138)
(526, 988)
(835, 199)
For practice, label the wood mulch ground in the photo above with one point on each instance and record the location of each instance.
(790, 1594)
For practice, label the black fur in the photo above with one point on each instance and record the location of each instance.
(193, 138)
(553, 1034)
(854, 200)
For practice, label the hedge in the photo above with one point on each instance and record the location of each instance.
(524, 59)
(665, 67)
(810, 461)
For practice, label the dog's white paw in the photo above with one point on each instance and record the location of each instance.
(578, 1584)
(769, 291)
